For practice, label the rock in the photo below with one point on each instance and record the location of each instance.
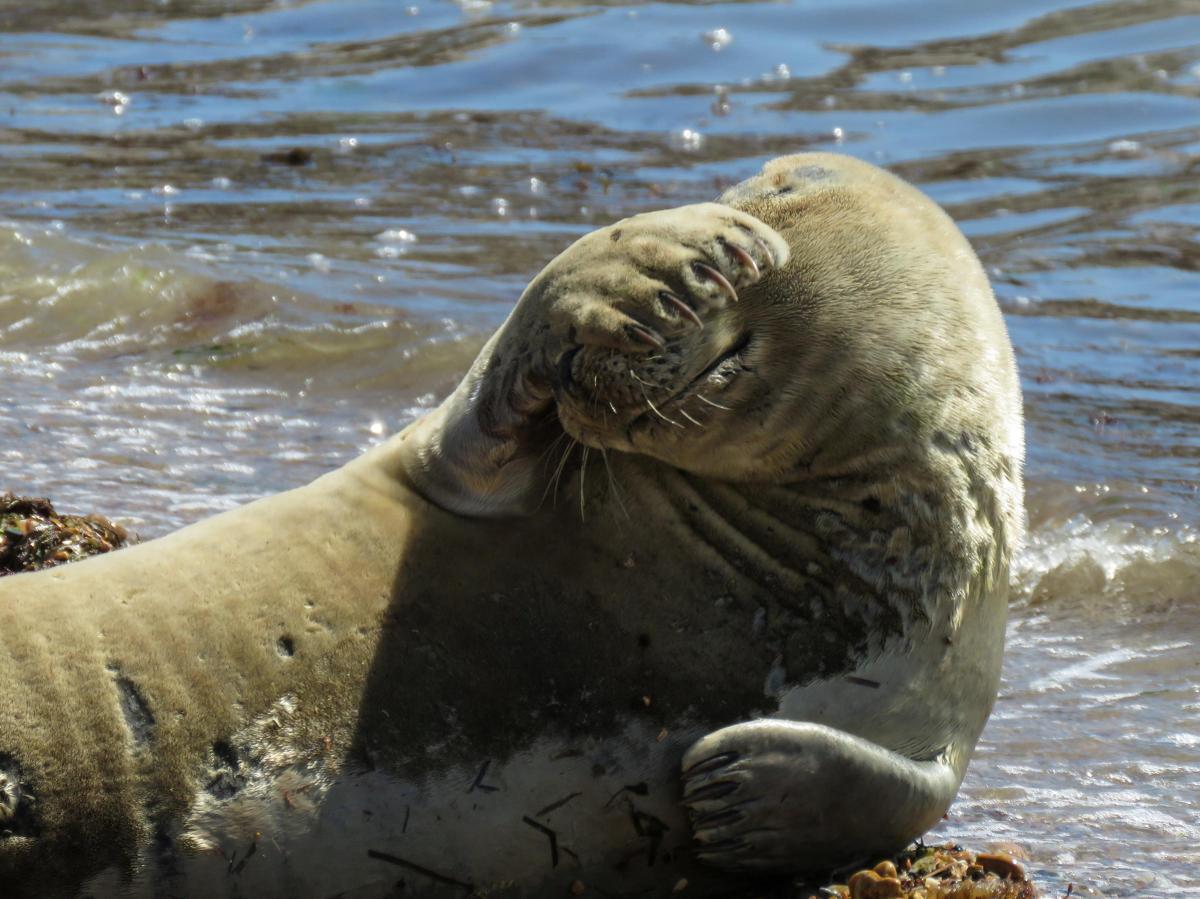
(1000, 865)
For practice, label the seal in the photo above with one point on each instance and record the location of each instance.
(701, 569)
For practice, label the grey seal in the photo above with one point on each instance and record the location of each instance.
(760, 629)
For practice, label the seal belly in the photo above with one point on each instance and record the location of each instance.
(604, 813)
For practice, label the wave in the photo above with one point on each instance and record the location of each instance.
(1128, 550)
(68, 298)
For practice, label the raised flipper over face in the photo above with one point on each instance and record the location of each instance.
(645, 317)
(632, 325)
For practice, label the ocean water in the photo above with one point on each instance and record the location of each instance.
(241, 241)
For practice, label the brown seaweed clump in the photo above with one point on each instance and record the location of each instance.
(34, 536)
(937, 872)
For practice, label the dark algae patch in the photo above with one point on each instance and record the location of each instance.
(33, 535)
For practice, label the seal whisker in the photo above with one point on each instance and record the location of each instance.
(683, 412)
(644, 384)
(563, 466)
(702, 398)
(655, 410)
(558, 470)
(612, 483)
(582, 476)
(641, 381)
(549, 451)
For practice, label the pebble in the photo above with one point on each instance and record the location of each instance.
(1000, 865)
(870, 885)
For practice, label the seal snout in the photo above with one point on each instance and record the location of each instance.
(607, 399)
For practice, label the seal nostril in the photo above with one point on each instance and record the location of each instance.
(565, 378)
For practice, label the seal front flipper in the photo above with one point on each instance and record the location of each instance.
(643, 288)
(787, 796)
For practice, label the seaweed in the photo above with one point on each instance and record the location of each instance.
(33, 535)
(935, 872)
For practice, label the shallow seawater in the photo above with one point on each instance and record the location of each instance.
(241, 241)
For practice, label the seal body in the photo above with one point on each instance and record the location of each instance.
(755, 623)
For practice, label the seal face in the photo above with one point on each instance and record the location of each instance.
(783, 589)
(691, 341)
